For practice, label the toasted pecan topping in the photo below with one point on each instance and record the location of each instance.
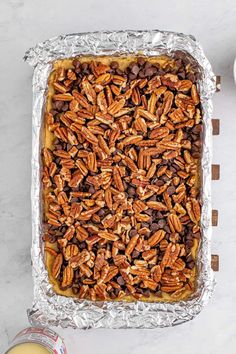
(121, 179)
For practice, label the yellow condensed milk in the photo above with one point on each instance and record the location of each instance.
(28, 348)
(37, 341)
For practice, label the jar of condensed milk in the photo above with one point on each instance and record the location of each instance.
(39, 340)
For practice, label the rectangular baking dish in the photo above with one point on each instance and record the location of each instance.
(127, 311)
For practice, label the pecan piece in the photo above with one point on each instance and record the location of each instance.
(131, 245)
(171, 254)
(108, 236)
(47, 154)
(117, 179)
(67, 279)
(71, 251)
(156, 273)
(157, 206)
(56, 267)
(156, 238)
(194, 210)
(88, 135)
(70, 233)
(89, 91)
(116, 106)
(174, 223)
(79, 259)
(150, 283)
(171, 288)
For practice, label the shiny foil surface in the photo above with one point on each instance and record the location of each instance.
(52, 309)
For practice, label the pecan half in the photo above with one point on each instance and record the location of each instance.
(56, 267)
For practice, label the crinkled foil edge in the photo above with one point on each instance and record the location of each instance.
(52, 309)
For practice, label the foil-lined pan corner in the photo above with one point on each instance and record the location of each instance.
(52, 309)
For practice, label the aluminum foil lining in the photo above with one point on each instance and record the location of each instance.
(52, 309)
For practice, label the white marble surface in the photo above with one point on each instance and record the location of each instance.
(26, 22)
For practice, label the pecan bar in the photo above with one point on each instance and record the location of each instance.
(121, 177)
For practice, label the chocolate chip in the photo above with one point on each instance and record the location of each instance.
(53, 112)
(187, 249)
(189, 243)
(135, 254)
(197, 129)
(84, 66)
(172, 169)
(49, 238)
(141, 74)
(101, 212)
(154, 180)
(162, 223)
(198, 76)
(167, 236)
(141, 61)
(78, 71)
(82, 245)
(75, 290)
(160, 72)
(144, 224)
(114, 65)
(146, 293)
(153, 198)
(131, 191)
(68, 147)
(189, 236)
(150, 71)
(119, 72)
(133, 232)
(147, 65)
(120, 281)
(148, 212)
(58, 105)
(63, 229)
(139, 291)
(135, 69)
(190, 265)
(165, 178)
(154, 226)
(91, 190)
(189, 258)
(132, 76)
(181, 75)
(197, 235)
(171, 190)
(116, 291)
(125, 185)
(74, 200)
(194, 137)
(65, 107)
(103, 126)
(76, 63)
(196, 155)
(191, 77)
(58, 146)
(178, 63)
(167, 229)
(112, 295)
(159, 183)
